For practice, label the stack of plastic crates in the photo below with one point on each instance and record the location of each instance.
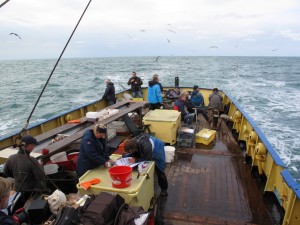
(186, 135)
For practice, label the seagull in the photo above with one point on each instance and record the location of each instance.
(172, 31)
(129, 36)
(156, 60)
(274, 50)
(168, 41)
(15, 35)
(142, 30)
(213, 46)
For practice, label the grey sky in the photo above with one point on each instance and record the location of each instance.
(150, 28)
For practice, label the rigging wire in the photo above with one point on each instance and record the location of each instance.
(27, 122)
(4, 3)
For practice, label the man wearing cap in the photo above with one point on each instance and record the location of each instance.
(28, 174)
(92, 151)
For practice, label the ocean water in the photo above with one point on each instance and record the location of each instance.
(268, 88)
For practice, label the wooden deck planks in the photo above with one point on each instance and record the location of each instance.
(212, 185)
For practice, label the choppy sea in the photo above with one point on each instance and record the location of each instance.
(268, 88)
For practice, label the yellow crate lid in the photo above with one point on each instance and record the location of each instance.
(163, 115)
(205, 133)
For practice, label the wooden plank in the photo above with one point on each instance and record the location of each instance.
(55, 147)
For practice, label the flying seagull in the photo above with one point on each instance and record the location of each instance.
(15, 35)
(129, 36)
(172, 31)
(213, 46)
(156, 60)
(142, 30)
(168, 41)
(274, 50)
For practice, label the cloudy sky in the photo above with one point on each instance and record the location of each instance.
(149, 28)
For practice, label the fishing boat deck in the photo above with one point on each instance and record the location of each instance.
(212, 185)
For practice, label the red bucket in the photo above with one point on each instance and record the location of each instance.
(120, 176)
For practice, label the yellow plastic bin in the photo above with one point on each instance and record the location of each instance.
(164, 124)
(139, 193)
(205, 136)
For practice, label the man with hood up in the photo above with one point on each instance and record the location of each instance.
(154, 93)
(109, 94)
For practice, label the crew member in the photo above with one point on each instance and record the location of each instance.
(146, 148)
(109, 94)
(136, 83)
(215, 100)
(155, 93)
(179, 105)
(92, 151)
(27, 172)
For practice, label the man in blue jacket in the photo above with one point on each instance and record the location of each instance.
(92, 151)
(154, 93)
(149, 148)
(198, 102)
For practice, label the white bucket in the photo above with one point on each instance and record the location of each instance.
(59, 157)
(50, 169)
(170, 153)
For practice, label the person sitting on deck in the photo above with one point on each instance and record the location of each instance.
(179, 106)
(147, 148)
(198, 102)
(109, 94)
(92, 151)
(215, 100)
(27, 172)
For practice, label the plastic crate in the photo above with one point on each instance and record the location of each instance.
(160, 121)
(205, 136)
(185, 140)
(186, 131)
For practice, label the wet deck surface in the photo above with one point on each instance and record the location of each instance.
(212, 185)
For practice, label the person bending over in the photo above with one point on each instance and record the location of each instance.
(149, 148)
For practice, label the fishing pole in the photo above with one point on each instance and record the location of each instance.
(27, 122)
